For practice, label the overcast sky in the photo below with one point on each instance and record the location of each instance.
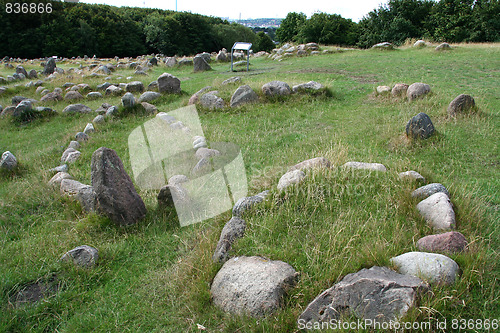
(353, 9)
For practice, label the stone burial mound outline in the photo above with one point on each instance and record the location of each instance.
(165, 146)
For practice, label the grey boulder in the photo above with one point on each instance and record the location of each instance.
(77, 108)
(115, 193)
(461, 104)
(448, 242)
(252, 285)
(378, 293)
(437, 210)
(364, 166)
(246, 203)
(420, 127)
(290, 178)
(8, 161)
(276, 88)
(243, 95)
(428, 190)
(168, 83)
(417, 90)
(233, 229)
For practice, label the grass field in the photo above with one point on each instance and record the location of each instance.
(155, 276)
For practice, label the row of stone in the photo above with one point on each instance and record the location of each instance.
(245, 94)
(255, 285)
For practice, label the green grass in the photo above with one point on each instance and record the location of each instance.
(156, 276)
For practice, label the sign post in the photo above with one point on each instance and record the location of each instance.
(242, 47)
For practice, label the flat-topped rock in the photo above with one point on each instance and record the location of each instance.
(290, 178)
(365, 166)
(378, 293)
(313, 163)
(276, 88)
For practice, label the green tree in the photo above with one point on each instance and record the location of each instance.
(227, 34)
(328, 29)
(290, 27)
(264, 42)
(486, 22)
(453, 20)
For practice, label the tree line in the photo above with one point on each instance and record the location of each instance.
(81, 29)
(397, 21)
(77, 29)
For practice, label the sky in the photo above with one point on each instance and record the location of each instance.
(353, 9)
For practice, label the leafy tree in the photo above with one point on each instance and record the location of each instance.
(328, 29)
(453, 20)
(264, 42)
(227, 34)
(486, 22)
(290, 27)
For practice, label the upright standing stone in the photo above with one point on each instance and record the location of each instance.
(167, 83)
(200, 64)
(420, 127)
(461, 104)
(115, 192)
(8, 161)
(417, 90)
(50, 67)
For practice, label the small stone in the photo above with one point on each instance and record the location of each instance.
(313, 163)
(383, 46)
(243, 95)
(61, 168)
(99, 119)
(246, 203)
(84, 256)
(58, 178)
(178, 179)
(135, 86)
(149, 96)
(449, 242)
(399, 89)
(412, 175)
(365, 166)
(437, 210)
(311, 86)
(461, 104)
(232, 80)
(206, 153)
(420, 127)
(77, 108)
(290, 178)
(432, 267)
(428, 190)
(72, 95)
(443, 47)
(74, 144)
(417, 90)
(211, 101)
(89, 128)
(71, 187)
(128, 100)
(383, 90)
(111, 111)
(276, 88)
(70, 155)
(419, 44)
(113, 90)
(81, 137)
(149, 108)
(8, 161)
(232, 230)
(173, 194)
(94, 95)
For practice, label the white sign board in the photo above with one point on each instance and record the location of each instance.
(242, 46)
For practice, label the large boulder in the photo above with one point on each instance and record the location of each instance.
(252, 285)
(20, 70)
(443, 47)
(72, 95)
(461, 104)
(23, 107)
(232, 230)
(200, 64)
(167, 83)
(377, 293)
(437, 210)
(417, 90)
(420, 127)
(115, 193)
(276, 88)
(432, 267)
(243, 95)
(170, 61)
(448, 242)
